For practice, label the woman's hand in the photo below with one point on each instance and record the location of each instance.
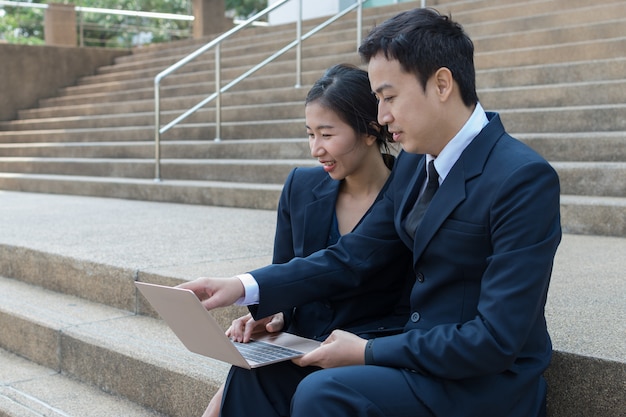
(242, 328)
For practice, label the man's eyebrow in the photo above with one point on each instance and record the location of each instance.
(381, 88)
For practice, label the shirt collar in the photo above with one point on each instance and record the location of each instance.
(453, 150)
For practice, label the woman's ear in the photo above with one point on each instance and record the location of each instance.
(370, 138)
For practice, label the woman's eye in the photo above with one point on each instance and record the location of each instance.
(388, 99)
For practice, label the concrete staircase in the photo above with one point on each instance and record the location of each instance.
(77, 339)
(554, 69)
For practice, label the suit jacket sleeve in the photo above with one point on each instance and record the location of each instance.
(356, 260)
(283, 238)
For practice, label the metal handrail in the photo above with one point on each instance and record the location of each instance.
(216, 43)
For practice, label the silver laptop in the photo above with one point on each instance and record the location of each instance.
(200, 332)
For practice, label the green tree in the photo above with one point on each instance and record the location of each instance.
(245, 8)
(122, 31)
(25, 25)
(22, 25)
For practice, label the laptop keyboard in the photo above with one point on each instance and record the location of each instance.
(262, 352)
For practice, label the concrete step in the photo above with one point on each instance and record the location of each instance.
(549, 35)
(598, 118)
(230, 130)
(31, 390)
(547, 74)
(148, 70)
(240, 149)
(552, 54)
(272, 78)
(555, 147)
(602, 179)
(589, 215)
(532, 15)
(264, 171)
(281, 110)
(132, 356)
(256, 96)
(252, 50)
(216, 193)
(579, 146)
(577, 178)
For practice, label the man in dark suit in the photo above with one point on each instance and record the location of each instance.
(476, 342)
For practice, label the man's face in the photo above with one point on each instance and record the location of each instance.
(412, 114)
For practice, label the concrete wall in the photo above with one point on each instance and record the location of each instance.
(29, 73)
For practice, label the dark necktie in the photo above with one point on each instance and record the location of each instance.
(414, 218)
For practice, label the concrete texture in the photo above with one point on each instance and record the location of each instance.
(24, 81)
(30, 390)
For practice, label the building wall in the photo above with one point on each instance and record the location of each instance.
(311, 9)
(30, 73)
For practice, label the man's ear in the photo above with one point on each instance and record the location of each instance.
(444, 83)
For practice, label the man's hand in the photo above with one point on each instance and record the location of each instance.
(242, 328)
(216, 292)
(339, 349)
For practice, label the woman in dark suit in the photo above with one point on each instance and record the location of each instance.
(316, 207)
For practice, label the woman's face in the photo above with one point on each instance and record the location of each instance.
(333, 142)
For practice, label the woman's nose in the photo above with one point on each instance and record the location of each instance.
(316, 149)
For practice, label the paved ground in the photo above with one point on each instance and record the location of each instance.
(586, 308)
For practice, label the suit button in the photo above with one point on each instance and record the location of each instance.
(419, 277)
(415, 317)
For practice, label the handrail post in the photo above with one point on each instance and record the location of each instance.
(218, 92)
(157, 131)
(299, 47)
(359, 24)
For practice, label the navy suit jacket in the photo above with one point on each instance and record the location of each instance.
(476, 342)
(305, 215)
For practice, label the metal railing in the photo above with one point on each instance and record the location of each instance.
(216, 43)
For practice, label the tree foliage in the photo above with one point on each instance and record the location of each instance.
(22, 25)
(245, 8)
(25, 24)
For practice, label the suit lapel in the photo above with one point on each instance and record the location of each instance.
(318, 215)
(452, 191)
